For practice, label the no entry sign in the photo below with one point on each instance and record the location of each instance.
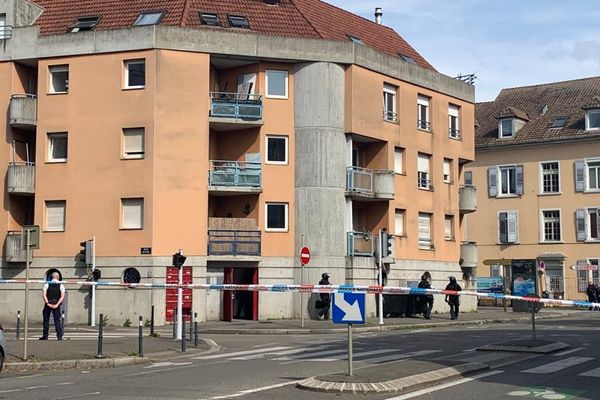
(304, 255)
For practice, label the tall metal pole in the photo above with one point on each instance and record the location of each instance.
(350, 353)
(26, 314)
(180, 302)
(380, 277)
(93, 319)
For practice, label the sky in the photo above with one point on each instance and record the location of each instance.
(506, 43)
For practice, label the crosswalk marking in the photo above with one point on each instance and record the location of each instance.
(343, 356)
(398, 357)
(564, 353)
(593, 373)
(276, 353)
(241, 353)
(558, 365)
(486, 357)
(304, 356)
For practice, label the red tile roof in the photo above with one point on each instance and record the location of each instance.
(292, 18)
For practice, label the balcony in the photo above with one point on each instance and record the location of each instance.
(367, 184)
(454, 133)
(233, 237)
(468, 255)
(361, 244)
(23, 111)
(13, 253)
(390, 116)
(21, 178)
(235, 111)
(5, 32)
(467, 199)
(424, 125)
(229, 177)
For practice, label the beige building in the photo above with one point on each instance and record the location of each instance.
(537, 170)
(237, 131)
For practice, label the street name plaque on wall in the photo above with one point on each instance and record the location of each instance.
(146, 250)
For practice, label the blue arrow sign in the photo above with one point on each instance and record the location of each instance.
(348, 308)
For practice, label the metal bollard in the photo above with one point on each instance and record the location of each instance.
(152, 321)
(18, 324)
(183, 341)
(175, 324)
(141, 338)
(195, 329)
(100, 335)
(191, 326)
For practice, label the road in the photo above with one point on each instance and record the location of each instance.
(263, 366)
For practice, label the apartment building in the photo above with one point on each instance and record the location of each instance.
(537, 153)
(237, 131)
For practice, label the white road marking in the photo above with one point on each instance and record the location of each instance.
(154, 371)
(486, 357)
(343, 356)
(444, 386)
(398, 357)
(36, 387)
(593, 373)
(241, 353)
(420, 330)
(248, 391)
(10, 391)
(558, 365)
(564, 353)
(304, 356)
(29, 376)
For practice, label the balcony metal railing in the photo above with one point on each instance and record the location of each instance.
(390, 116)
(235, 174)
(361, 244)
(23, 111)
(5, 32)
(236, 105)
(385, 184)
(467, 199)
(359, 180)
(454, 133)
(12, 247)
(468, 254)
(21, 178)
(424, 125)
(234, 243)
(424, 183)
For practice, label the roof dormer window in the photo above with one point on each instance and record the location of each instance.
(84, 24)
(592, 120)
(510, 121)
(408, 59)
(238, 21)
(209, 19)
(506, 128)
(559, 122)
(149, 18)
(355, 39)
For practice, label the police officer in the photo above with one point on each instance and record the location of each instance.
(427, 299)
(53, 295)
(452, 299)
(325, 297)
(592, 293)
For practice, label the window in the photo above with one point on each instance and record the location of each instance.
(149, 18)
(495, 271)
(559, 122)
(550, 177)
(453, 122)
(209, 19)
(389, 103)
(5, 31)
(425, 231)
(423, 113)
(238, 21)
(447, 170)
(84, 24)
(587, 175)
(506, 180)
(135, 74)
(449, 227)
(399, 222)
(398, 160)
(276, 217)
(407, 58)
(582, 278)
(508, 226)
(587, 222)
(277, 150)
(55, 215)
(594, 175)
(277, 84)
(133, 143)
(132, 213)
(592, 120)
(468, 178)
(424, 181)
(551, 226)
(59, 79)
(57, 147)
(355, 39)
(505, 128)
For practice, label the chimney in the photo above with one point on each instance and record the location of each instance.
(378, 15)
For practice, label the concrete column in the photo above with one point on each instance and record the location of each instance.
(320, 171)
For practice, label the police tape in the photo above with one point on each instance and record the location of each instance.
(286, 288)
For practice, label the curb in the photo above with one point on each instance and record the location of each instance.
(549, 348)
(405, 384)
(76, 364)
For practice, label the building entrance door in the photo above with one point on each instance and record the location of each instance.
(240, 304)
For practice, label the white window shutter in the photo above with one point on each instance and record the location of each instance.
(448, 227)
(581, 224)
(399, 223)
(453, 111)
(512, 227)
(423, 163)
(398, 160)
(503, 225)
(133, 142)
(447, 168)
(580, 176)
(55, 215)
(520, 179)
(133, 213)
(493, 181)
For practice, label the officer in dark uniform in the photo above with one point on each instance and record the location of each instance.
(453, 300)
(53, 295)
(426, 299)
(325, 297)
(592, 293)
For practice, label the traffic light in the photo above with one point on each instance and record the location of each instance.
(96, 275)
(386, 243)
(179, 259)
(86, 252)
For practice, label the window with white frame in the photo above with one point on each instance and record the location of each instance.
(508, 224)
(84, 24)
(506, 128)
(425, 231)
(276, 217)
(149, 18)
(5, 32)
(57, 147)
(468, 178)
(424, 180)
(593, 169)
(277, 84)
(592, 120)
(447, 170)
(582, 280)
(133, 143)
(135, 74)
(132, 213)
(399, 222)
(389, 103)
(505, 180)
(551, 229)
(587, 222)
(453, 121)
(277, 150)
(587, 175)
(550, 182)
(449, 227)
(423, 113)
(55, 215)
(495, 271)
(398, 160)
(59, 79)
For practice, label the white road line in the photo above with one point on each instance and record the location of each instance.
(248, 391)
(304, 356)
(486, 357)
(444, 386)
(593, 373)
(29, 376)
(564, 353)
(420, 330)
(241, 353)
(275, 353)
(558, 365)
(398, 357)
(36, 387)
(343, 356)
(10, 391)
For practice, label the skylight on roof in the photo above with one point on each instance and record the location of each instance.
(355, 39)
(559, 122)
(149, 18)
(84, 24)
(209, 19)
(238, 21)
(407, 58)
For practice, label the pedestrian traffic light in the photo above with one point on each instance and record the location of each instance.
(386, 243)
(179, 259)
(86, 252)
(96, 275)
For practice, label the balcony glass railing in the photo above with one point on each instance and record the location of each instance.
(234, 243)
(359, 180)
(5, 32)
(20, 178)
(13, 251)
(361, 244)
(235, 174)
(236, 105)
